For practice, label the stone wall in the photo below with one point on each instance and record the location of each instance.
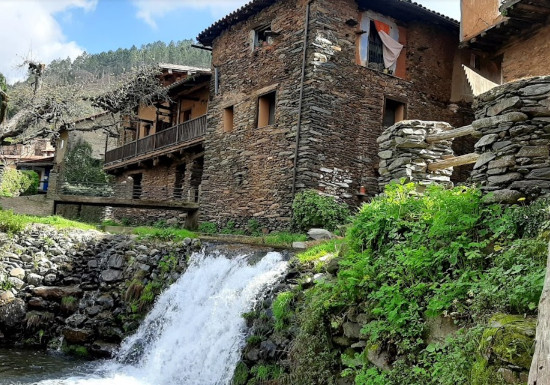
(178, 177)
(249, 170)
(405, 153)
(514, 121)
(82, 285)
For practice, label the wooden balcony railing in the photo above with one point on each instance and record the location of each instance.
(184, 132)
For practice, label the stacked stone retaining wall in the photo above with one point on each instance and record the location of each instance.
(405, 154)
(514, 122)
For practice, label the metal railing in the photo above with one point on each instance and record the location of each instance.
(130, 191)
(183, 132)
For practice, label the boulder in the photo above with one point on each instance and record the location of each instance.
(6, 297)
(13, 313)
(111, 275)
(17, 273)
(34, 279)
(319, 234)
(77, 336)
(56, 292)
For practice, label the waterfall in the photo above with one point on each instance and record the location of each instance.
(195, 332)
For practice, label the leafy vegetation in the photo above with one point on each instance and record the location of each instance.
(164, 234)
(83, 167)
(407, 258)
(312, 210)
(15, 183)
(14, 223)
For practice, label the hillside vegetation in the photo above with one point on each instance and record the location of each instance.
(426, 288)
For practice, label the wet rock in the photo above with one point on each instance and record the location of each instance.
(77, 336)
(13, 313)
(111, 275)
(34, 279)
(103, 349)
(55, 292)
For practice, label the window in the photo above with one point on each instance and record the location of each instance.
(376, 54)
(186, 115)
(266, 110)
(136, 185)
(228, 114)
(394, 112)
(263, 36)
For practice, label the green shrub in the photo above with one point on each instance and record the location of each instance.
(29, 182)
(412, 256)
(208, 228)
(15, 183)
(281, 309)
(312, 210)
(81, 167)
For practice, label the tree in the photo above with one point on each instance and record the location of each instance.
(43, 108)
(3, 98)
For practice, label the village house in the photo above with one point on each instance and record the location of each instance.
(37, 155)
(506, 40)
(160, 154)
(301, 90)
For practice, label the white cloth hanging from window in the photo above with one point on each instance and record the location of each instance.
(391, 50)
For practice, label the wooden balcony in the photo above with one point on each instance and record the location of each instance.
(180, 136)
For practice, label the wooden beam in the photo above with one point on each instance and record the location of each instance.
(451, 134)
(453, 162)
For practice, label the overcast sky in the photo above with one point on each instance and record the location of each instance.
(49, 29)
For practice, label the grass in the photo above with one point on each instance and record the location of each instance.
(14, 223)
(166, 234)
(283, 239)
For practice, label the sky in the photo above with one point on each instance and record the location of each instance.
(44, 30)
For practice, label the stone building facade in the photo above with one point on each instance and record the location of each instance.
(296, 103)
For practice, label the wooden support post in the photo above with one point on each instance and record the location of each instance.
(453, 162)
(451, 134)
(540, 366)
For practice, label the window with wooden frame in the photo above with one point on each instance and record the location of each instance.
(266, 110)
(262, 36)
(228, 119)
(394, 112)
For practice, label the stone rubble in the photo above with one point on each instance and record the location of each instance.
(74, 284)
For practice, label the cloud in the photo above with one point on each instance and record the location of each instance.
(30, 31)
(149, 11)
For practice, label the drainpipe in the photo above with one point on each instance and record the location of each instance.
(302, 80)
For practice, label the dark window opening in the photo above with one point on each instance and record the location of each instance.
(136, 187)
(263, 36)
(228, 119)
(394, 112)
(180, 180)
(186, 115)
(376, 53)
(266, 110)
(196, 178)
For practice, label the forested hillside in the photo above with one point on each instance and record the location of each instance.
(104, 65)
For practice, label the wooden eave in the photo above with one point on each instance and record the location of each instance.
(523, 17)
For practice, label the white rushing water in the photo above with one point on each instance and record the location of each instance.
(195, 332)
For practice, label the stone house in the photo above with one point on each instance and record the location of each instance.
(302, 89)
(160, 152)
(506, 40)
(37, 155)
